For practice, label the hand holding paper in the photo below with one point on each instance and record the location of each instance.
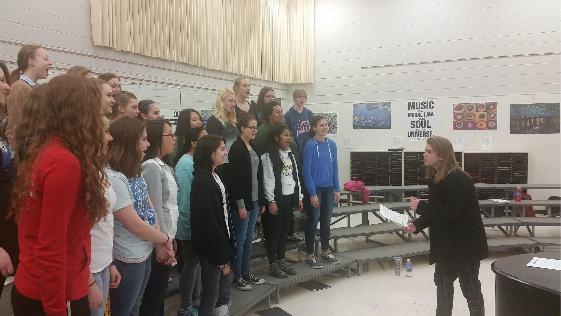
(395, 217)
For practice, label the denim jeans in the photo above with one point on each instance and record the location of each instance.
(156, 289)
(102, 281)
(126, 298)
(243, 232)
(190, 279)
(215, 288)
(276, 227)
(322, 214)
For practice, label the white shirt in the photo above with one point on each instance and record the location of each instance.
(287, 179)
(102, 236)
(223, 190)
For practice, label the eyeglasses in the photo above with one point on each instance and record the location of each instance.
(253, 128)
(172, 135)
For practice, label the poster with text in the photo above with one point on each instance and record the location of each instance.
(332, 119)
(475, 116)
(420, 119)
(536, 118)
(377, 115)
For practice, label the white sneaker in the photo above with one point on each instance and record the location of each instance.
(223, 310)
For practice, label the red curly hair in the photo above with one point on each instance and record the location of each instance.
(69, 111)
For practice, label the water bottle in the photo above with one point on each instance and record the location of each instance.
(408, 268)
(397, 265)
(518, 194)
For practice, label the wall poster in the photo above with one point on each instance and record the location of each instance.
(537, 118)
(420, 119)
(475, 116)
(376, 115)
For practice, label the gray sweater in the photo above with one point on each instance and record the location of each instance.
(162, 189)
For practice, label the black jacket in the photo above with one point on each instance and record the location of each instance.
(278, 182)
(208, 224)
(8, 228)
(215, 127)
(239, 175)
(457, 235)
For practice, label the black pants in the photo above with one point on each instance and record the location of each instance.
(24, 306)
(444, 277)
(156, 289)
(290, 231)
(215, 288)
(276, 227)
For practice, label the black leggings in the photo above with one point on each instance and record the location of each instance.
(276, 227)
(24, 306)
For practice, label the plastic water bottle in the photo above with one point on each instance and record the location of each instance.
(397, 265)
(408, 268)
(518, 194)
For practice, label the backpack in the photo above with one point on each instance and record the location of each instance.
(358, 186)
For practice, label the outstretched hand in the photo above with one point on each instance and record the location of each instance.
(410, 228)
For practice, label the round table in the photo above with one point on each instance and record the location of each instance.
(523, 290)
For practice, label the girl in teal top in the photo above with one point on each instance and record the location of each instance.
(189, 282)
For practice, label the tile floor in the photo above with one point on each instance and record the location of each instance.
(377, 291)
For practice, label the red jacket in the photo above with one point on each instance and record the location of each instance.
(54, 232)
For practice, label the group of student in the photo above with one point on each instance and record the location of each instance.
(100, 197)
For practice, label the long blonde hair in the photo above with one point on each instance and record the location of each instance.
(219, 112)
(444, 149)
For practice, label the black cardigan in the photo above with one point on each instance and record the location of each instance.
(8, 228)
(208, 225)
(214, 126)
(457, 235)
(278, 182)
(239, 175)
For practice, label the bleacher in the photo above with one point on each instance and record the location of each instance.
(355, 261)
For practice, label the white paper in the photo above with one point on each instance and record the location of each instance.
(487, 143)
(397, 142)
(393, 216)
(458, 143)
(545, 263)
(347, 143)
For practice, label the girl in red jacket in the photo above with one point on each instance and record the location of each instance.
(59, 196)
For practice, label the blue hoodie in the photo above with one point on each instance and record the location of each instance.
(320, 165)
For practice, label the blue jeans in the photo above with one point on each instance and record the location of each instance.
(190, 279)
(102, 281)
(215, 288)
(156, 289)
(322, 214)
(126, 298)
(243, 232)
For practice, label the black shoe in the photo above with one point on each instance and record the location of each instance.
(277, 272)
(312, 262)
(286, 267)
(294, 238)
(250, 278)
(240, 284)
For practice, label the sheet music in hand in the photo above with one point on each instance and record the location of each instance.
(393, 216)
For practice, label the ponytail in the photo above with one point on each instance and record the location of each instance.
(14, 76)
